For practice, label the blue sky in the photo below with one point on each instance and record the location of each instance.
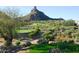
(66, 12)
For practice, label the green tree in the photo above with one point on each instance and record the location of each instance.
(69, 23)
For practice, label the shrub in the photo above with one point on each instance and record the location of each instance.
(34, 33)
(67, 46)
(63, 45)
(69, 23)
(18, 43)
(71, 41)
(48, 36)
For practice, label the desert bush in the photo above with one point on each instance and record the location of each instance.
(67, 46)
(18, 43)
(71, 41)
(27, 43)
(63, 45)
(69, 23)
(34, 33)
(47, 35)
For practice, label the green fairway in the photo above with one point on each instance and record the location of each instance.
(24, 31)
(42, 48)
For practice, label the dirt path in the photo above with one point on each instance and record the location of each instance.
(2, 41)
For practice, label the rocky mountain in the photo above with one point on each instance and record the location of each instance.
(35, 14)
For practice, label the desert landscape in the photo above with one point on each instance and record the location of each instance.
(37, 33)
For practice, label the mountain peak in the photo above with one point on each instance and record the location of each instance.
(35, 14)
(34, 9)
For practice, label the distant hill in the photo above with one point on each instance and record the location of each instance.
(35, 14)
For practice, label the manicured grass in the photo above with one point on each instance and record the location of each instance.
(64, 48)
(42, 48)
(24, 31)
